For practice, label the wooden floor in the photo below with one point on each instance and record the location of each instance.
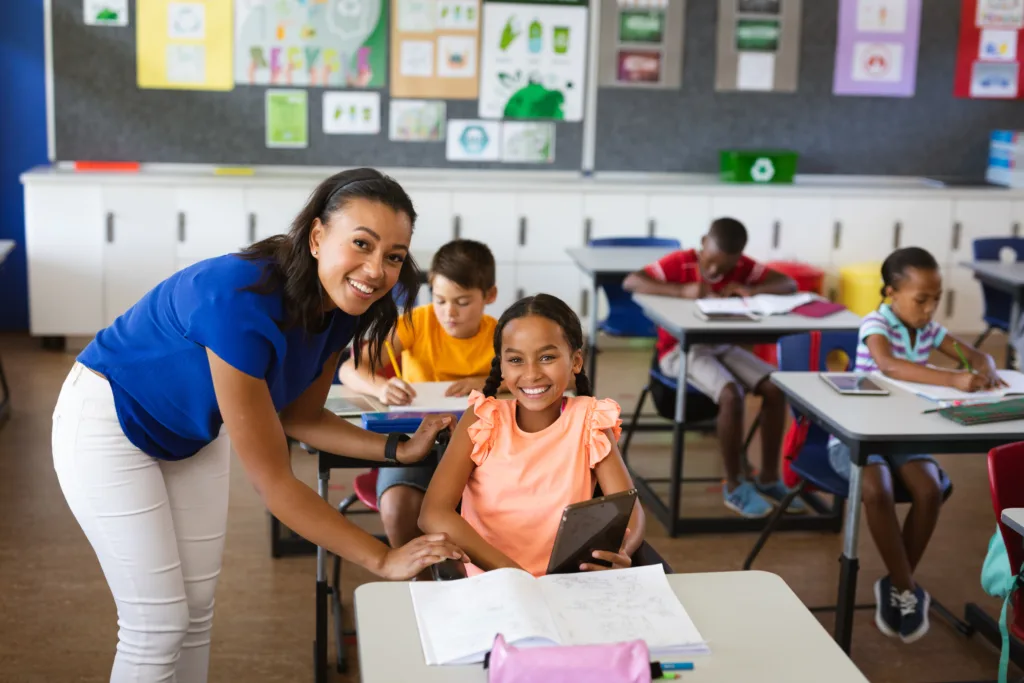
(58, 623)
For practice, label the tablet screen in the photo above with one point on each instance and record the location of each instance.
(855, 384)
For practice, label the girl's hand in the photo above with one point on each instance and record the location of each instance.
(406, 562)
(619, 560)
(422, 442)
(396, 392)
(991, 375)
(969, 382)
(462, 387)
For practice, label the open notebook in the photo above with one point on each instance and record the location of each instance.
(429, 398)
(458, 620)
(937, 393)
(760, 304)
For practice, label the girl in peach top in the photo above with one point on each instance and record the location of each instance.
(516, 463)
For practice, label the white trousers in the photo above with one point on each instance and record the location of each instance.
(156, 526)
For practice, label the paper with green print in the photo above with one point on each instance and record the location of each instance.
(287, 113)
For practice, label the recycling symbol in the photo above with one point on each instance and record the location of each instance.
(763, 170)
(474, 139)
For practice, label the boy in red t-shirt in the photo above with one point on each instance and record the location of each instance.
(723, 372)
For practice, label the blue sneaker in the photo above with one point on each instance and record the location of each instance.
(777, 491)
(914, 612)
(887, 607)
(745, 500)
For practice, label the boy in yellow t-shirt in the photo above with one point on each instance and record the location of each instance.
(450, 340)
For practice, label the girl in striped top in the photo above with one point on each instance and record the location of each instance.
(897, 340)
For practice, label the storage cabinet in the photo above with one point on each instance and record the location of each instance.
(685, 218)
(505, 281)
(434, 224)
(614, 215)
(974, 219)
(488, 217)
(863, 230)
(802, 230)
(756, 214)
(210, 221)
(925, 223)
(270, 212)
(549, 224)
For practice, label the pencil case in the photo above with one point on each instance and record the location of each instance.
(618, 663)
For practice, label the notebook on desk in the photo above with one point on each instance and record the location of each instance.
(758, 306)
(933, 392)
(458, 620)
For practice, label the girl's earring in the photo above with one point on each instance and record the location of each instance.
(315, 253)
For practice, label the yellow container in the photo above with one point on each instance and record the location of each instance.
(860, 287)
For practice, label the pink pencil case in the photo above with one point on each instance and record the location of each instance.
(618, 663)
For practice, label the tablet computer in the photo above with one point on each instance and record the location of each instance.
(598, 524)
(854, 384)
(716, 317)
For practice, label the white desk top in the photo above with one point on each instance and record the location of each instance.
(1014, 518)
(680, 315)
(756, 626)
(6, 247)
(893, 418)
(1012, 273)
(615, 260)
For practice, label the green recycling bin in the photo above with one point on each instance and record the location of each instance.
(757, 166)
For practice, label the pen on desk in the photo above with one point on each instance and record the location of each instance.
(394, 362)
(677, 666)
(963, 358)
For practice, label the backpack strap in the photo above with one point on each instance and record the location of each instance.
(1004, 631)
(812, 362)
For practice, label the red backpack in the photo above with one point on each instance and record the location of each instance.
(796, 435)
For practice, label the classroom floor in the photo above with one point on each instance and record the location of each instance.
(58, 622)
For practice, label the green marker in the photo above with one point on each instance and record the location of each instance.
(963, 358)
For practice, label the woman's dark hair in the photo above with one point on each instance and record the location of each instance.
(292, 269)
(895, 266)
(555, 310)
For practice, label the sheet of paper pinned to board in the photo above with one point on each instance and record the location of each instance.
(105, 12)
(184, 45)
(416, 120)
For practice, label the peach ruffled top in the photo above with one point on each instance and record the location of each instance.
(522, 481)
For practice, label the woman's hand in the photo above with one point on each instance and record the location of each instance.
(619, 560)
(396, 392)
(401, 564)
(462, 387)
(421, 443)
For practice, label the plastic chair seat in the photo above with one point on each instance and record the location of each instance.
(625, 317)
(365, 486)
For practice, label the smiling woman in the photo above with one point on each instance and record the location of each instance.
(236, 352)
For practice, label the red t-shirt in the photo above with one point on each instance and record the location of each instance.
(683, 267)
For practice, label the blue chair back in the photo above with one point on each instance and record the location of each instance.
(997, 304)
(625, 318)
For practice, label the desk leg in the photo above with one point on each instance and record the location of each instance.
(592, 356)
(1014, 327)
(320, 638)
(678, 442)
(849, 563)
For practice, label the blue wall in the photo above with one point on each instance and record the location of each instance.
(22, 142)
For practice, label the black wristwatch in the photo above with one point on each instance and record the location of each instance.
(391, 446)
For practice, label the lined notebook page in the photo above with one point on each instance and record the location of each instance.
(430, 397)
(937, 393)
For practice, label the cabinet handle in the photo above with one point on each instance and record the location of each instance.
(110, 227)
(957, 229)
(652, 227)
(522, 233)
(587, 229)
(776, 230)
(837, 231)
(584, 302)
(181, 226)
(896, 234)
(950, 297)
(456, 227)
(1016, 229)
(520, 294)
(252, 227)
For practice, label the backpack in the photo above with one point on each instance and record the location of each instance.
(998, 580)
(796, 436)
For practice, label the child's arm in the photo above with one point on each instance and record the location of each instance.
(904, 370)
(463, 387)
(391, 392)
(443, 496)
(980, 362)
(613, 477)
(774, 282)
(642, 283)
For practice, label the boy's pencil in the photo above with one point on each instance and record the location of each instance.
(963, 358)
(394, 363)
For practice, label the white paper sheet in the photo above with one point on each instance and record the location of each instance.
(417, 58)
(937, 393)
(755, 71)
(351, 113)
(473, 140)
(430, 396)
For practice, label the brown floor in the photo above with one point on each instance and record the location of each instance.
(58, 623)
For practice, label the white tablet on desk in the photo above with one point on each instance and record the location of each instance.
(724, 317)
(853, 384)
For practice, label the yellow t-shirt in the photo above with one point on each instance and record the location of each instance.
(430, 354)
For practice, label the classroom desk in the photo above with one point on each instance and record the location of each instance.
(1008, 278)
(678, 317)
(883, 425)
(757, 628)
(609, 265)
(6, 247)
(1014, 518)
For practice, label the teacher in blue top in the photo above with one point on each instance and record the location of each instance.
(235, 352)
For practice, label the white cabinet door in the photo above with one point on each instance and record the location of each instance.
(614, 215)
(505, 280)
(756, 214)
(488, 217)
(926, 223)
(686, 218)
(962, 305)
(865, 230)
(550, 223)
(211, 221)
(64, 249)
(139, 251)
(270, 212)
(802, 229)
(434, 225)
(556, 279)
(974, 219)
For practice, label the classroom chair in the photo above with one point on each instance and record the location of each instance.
(997, 304)
(625, 317)
(1005, 474)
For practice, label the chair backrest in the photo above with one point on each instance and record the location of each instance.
(1005, 474)
(794, 355)
(997, 304)
(625, 318)
(668, 242)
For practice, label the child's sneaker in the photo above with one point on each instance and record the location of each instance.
(914, 612)
(887, 607)
(777, 491)
(745, 500)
